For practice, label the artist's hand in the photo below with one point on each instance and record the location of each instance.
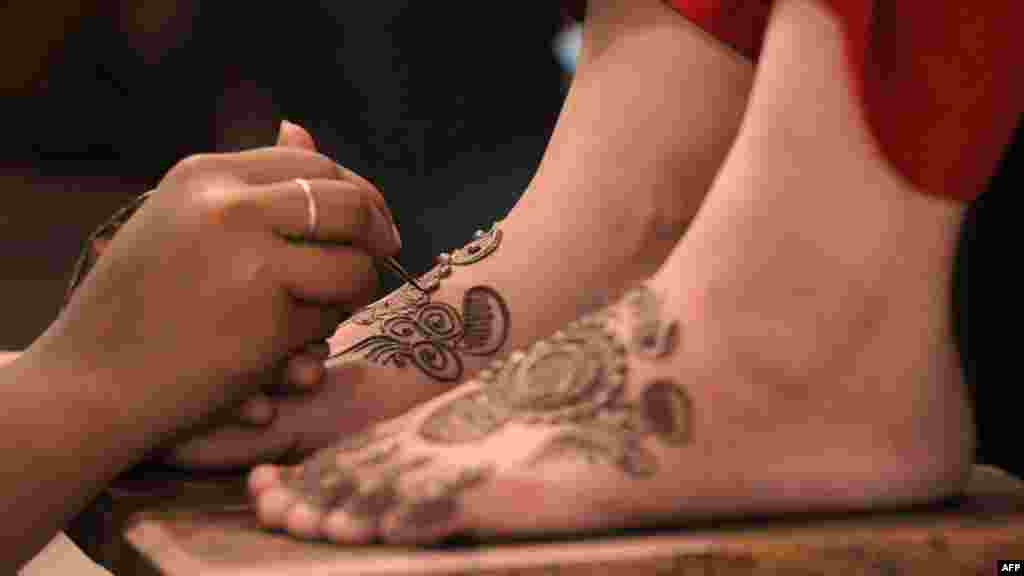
(304, 370)
(202, 290)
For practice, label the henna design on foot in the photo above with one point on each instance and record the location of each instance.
(576, 379)
(468, 418)
(374, 499)
(594, 447)
(323, 482)
(437, 501)
(616, 436)
(408, 296)
(431, 335)
(651, 336)
(564, 378)
(668, 411)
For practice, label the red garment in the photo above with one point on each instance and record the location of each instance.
(940, 81)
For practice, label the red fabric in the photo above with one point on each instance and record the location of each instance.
(940, 82)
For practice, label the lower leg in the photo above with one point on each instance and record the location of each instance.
(633, 153)
(636, 147)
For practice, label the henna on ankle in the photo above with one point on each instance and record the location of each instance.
(413, 329)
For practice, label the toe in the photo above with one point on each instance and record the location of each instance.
(262, 478)
(423, 522)
(257, 411)
(272, 506)
(342, 528)
(303, 520)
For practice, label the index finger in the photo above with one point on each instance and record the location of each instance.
(268, 165)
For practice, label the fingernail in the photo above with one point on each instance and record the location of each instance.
(398, 237)
(384, 227)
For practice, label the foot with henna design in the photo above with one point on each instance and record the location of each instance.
(580, 234)
(793, 354)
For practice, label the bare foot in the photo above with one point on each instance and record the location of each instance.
(794, 353)
(610, 422)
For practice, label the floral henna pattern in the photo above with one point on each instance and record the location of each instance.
(432, 336)
(572, 383)
(575, 379)
(413, 329)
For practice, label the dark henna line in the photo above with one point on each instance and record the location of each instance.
(466, 418)
(408, 296)
(636, 460)
(430, 335)
(669, 411)
(481, 307)
(383, 350)
(437, 361)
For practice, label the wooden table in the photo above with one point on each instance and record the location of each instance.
(204, 528)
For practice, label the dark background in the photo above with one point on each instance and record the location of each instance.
(446, 106)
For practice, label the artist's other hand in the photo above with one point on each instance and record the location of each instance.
(205, 289)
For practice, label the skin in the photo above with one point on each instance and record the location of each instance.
(630, 204)
(236, 430)
(222, 218)
(381, 475)
(601, 253)
(434, 336)
(812, 302)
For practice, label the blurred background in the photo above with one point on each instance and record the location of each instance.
(446, 106)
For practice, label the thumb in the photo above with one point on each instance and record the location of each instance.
(294, 136)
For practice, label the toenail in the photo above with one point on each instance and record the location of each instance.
(303, 520)
(262, 477)
(272, 506)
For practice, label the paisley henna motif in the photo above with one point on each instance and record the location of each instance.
(431, 336)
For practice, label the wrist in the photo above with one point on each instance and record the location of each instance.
(121, 400)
